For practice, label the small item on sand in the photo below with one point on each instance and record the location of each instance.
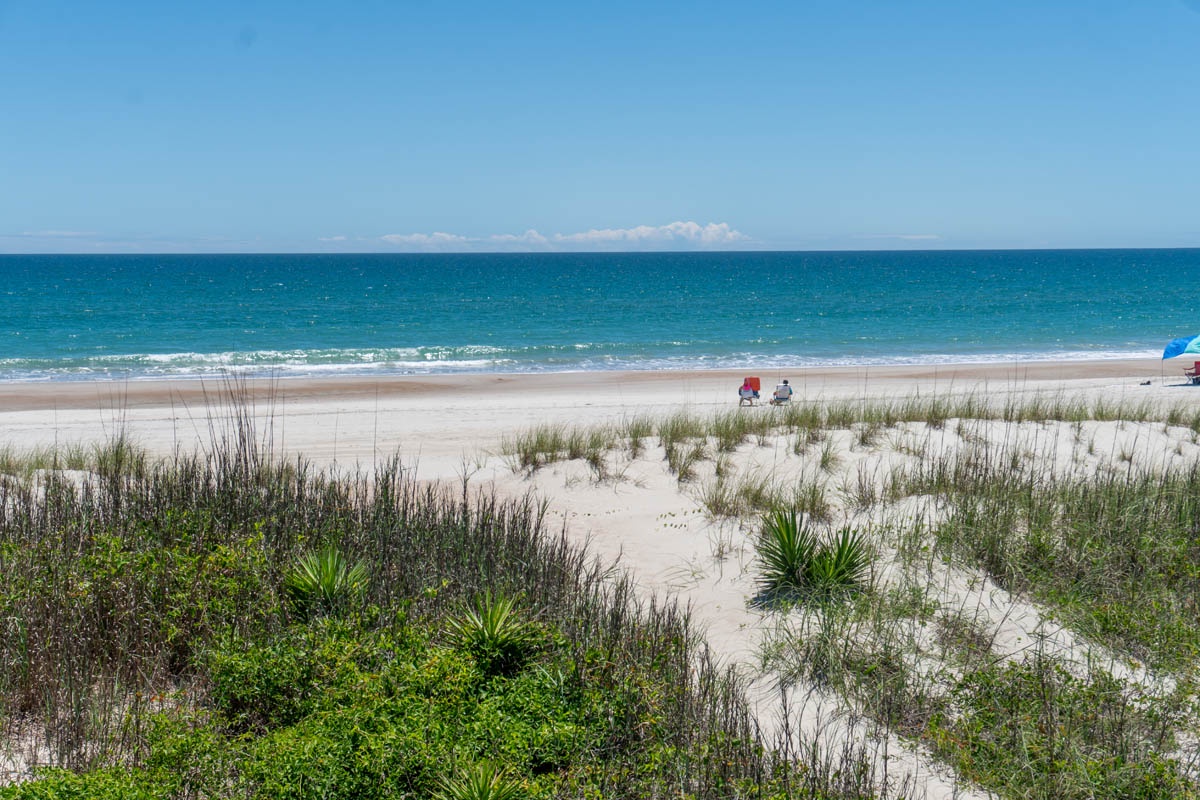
(1144, 383)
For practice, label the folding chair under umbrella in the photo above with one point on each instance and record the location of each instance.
(1185, 345)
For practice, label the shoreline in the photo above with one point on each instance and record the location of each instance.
(400, 368)
(89, 394)
(442, 422)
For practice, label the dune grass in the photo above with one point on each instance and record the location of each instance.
(119, 454)
(1103, 543)
(1016, 494)
(1114, 554)
(688, 439)
(731, 496)
(161, 639)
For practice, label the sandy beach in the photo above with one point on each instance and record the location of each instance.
(455, 427)
(348, 420)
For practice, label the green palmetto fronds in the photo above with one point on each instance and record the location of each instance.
(786, 551)
(794, 560)
(484, 782)
(839, 564)
(324, 582)
(495, 633)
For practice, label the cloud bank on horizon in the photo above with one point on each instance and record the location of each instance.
(673, 236)
(686, 236)
(642, 238)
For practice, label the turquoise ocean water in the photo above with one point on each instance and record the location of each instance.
(146, 316)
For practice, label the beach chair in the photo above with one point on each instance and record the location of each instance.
(1193, 372)
(749, 390)
(782, 394)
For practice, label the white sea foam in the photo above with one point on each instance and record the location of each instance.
(481, 358)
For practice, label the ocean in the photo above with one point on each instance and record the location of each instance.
(135, 317)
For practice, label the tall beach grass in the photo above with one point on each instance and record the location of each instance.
(147, 603)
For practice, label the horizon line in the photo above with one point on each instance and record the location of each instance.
(693, 251)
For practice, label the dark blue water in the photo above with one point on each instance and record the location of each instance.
(80, 317)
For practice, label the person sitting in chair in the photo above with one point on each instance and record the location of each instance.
(783, 393)
(746, 394)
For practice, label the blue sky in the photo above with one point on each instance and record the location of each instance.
(400, 126)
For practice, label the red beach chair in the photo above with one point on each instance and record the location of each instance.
(1193, 372)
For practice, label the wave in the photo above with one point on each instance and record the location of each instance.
(576, 357)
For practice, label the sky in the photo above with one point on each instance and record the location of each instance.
(416, 125)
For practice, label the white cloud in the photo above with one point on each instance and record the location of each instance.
(428, 242)
(424, 238)
(673, 236)
(331, 238)
(529, 237)
(714, 234)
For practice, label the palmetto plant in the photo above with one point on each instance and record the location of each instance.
(484, 782)
(324, 582)
(785, 551)
(495, 633)
(794, 560)
(839, 564)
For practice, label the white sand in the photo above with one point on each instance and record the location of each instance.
(449, 427)
(347, 420)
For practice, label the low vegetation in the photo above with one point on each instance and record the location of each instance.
(225, 625)
(1025, 601)
(981, 580)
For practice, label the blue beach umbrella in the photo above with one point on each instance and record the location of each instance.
(1185, 345)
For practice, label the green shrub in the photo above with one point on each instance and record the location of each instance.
(362, 751)
(536, 722)
(104, 784)
(259, 686)
(192, 748)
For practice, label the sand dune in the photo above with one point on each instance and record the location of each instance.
(641, 516)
